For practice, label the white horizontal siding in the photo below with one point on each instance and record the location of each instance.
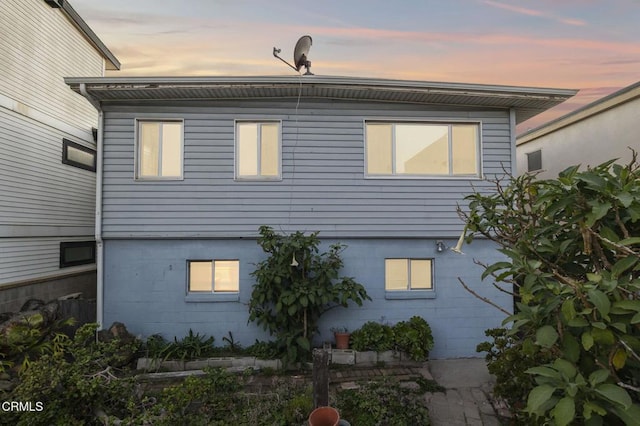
(39, 47)
(323, 187)
(24, 259)
(37, 188)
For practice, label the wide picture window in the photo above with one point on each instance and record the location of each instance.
(422, 149)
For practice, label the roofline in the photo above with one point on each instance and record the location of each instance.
(76, 19)
(605, 103)
(316, 79)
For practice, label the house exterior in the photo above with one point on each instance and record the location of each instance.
(600, 131)
(192, 166)
(47, 152)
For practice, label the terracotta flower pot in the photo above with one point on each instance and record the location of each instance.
(342, 340)
(324, 416)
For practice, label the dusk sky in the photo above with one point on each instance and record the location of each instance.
(589, 45)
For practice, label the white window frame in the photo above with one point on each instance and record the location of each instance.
(236, 155)
(213, 295)
(449, 123)
(138, 147)
(411, 293)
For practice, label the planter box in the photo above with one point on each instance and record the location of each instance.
(244, 362)
(343, 356)
(366, 358)
(389, 357)
(157, 364)
(276, 364)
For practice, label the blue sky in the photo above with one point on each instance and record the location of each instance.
(589, 45)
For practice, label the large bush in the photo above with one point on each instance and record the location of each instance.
(572, 248)
(295, 285)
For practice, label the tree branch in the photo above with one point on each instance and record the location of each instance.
(484, 299)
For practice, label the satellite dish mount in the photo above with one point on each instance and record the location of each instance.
(300, 55)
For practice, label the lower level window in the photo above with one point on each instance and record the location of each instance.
(408, 274)
(77, 253)
(213, 276)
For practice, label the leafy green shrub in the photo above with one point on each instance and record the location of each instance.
(414, 337)
(572, 248)
(263, 350)
(508, 358)
(29, 338)
(373, 336)
(190, 347)
(382, 402)
(78, 383)
(294, 286)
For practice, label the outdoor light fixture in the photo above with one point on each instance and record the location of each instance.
(440, 246)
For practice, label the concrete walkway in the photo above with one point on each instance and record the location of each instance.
(466, 401)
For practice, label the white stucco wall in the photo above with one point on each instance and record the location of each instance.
(588, 142)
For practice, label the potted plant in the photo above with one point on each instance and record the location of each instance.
(342, 337)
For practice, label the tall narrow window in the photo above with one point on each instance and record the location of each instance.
(422, 149)
(408, 274)
(214, 276)
(258, 150)
(160, 147)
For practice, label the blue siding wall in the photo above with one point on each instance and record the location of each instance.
(323, 185)
(146, 287)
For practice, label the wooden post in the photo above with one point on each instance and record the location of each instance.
(320, 378)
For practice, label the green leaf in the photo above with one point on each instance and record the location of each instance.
(630, 415)
(623, 265)
(603, 337)
(565, 367)
(635, 319)
(538, 397)
(625, 199)
(629, 305)
(598, 377)
(601, 301)
(629, 241)
(571, 348)
(594, 278)
(615, 394)
(564, 411)
(546, 336)
(292, 309)
(598, 211)
(303, 343)
(568, 310)
(544, 372)
(578, 322)
(587, 340)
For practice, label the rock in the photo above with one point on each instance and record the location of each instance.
(32, 305)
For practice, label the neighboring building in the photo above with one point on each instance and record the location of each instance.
(193, 166)
(600, 131)
(47, 152)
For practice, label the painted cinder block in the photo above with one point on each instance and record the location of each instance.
(366, 358)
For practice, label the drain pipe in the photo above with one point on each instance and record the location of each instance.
(98, 215)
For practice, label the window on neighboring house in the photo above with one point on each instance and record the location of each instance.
(159, 149)
(77, 155)
(214, 276)
(257, 150)
(408, 274)
(77, 253)
(534, 161)
(422, 149)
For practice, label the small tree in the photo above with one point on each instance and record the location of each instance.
(573, 249)
(295, 285)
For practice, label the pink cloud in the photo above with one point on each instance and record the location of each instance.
(532, 12)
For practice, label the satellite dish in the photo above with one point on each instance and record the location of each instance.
(300, 55)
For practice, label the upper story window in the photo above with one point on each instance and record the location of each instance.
(534, 161)
(408, 274)
(159, 149)
(258, 150)
(414, 149)
(77, 155)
